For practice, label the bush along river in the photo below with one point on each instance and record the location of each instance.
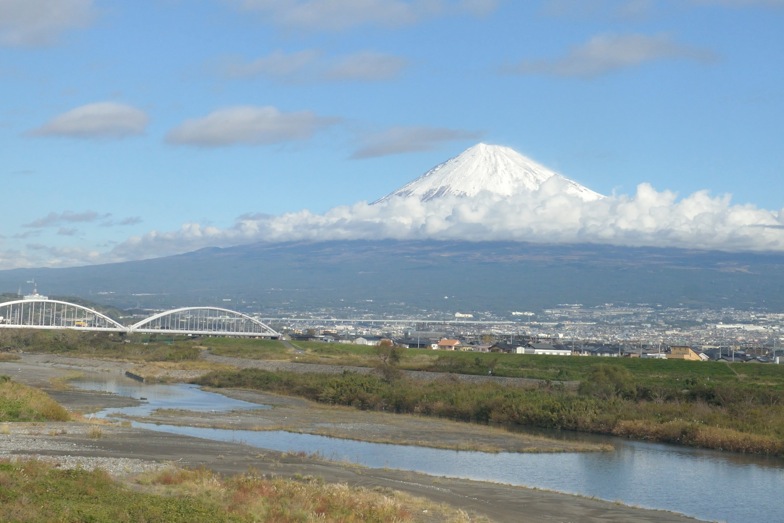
(708, 485)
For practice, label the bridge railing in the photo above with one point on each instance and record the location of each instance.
(43, 313)
(54, 314)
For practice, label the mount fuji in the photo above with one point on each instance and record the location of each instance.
(493, 169)
(491, 229)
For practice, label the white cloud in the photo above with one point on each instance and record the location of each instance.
(647, 218)
(53, 218)
(366, 66)
(97, 120)
(40, 22)
(248, 125)
(340, 15)
(606, 53)
(307, 66)
(40, 255)
(398, 140)
(278, 64)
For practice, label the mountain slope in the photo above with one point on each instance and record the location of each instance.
(492, 168)
(389, 277)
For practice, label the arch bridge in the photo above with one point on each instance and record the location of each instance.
(44, 313)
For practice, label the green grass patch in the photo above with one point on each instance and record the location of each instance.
(252, 349)
(19, 402)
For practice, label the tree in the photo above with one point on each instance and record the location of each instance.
(389, 356)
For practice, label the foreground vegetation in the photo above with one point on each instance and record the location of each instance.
(34, 491)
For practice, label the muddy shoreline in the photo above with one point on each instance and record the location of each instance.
(128, 449)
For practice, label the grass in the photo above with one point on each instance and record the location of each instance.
(134, 348)
(34, 491)
(249, 349)
(19, 402)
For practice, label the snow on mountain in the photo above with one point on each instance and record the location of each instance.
(491, 168)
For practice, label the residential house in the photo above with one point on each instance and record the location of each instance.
(448, 344)
(415, 343)
(501, 346)
(683, 352)
(545, 349)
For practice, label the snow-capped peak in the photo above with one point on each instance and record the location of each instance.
(486, 168)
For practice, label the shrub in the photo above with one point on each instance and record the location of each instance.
(608, 382)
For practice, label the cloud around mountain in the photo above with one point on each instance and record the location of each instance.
(488, 193)
(647, 218)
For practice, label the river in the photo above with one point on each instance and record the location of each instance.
(704, 484)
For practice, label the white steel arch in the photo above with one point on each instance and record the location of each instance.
(43, 313)
(210, 321)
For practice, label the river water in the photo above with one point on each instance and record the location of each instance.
(704, 484)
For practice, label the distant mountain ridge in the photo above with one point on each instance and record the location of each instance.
(494, 169)
(387, 277)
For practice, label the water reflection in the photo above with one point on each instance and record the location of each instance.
(159, 396)
(704, 484)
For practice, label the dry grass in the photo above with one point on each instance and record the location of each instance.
(63, 382)
(695, 434)
(177, 371)
(303, 500)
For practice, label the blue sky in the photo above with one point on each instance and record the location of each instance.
(131, 130)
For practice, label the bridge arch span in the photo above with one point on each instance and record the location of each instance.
(43, 313)
(204, 321)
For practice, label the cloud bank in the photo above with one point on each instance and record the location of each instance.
(647, 218)
(40, 22)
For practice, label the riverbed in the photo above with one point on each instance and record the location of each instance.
(123, 450)
(704, 484)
